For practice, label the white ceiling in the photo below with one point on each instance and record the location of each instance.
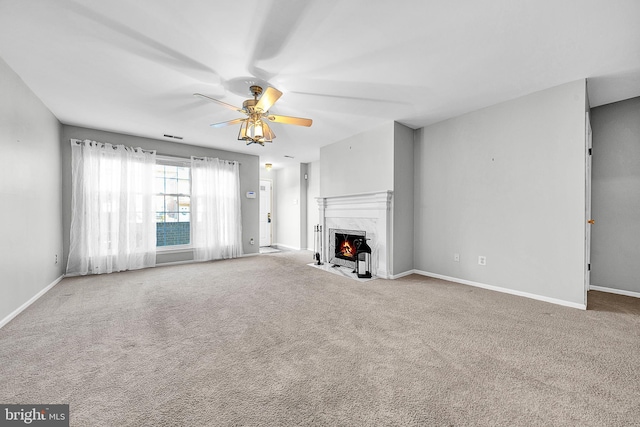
(132, 66)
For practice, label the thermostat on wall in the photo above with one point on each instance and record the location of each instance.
(251, 194)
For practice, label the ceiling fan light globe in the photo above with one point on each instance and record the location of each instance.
(257, 132)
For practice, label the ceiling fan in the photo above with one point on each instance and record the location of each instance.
(254, 128)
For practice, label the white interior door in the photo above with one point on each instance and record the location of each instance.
(265, 213)
(589, 220)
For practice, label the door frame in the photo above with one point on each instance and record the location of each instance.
(270, 224)
(588, 220)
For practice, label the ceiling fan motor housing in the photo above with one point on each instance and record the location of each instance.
(249, 105)
(256, 91)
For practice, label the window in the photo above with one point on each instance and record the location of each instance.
(172, 203)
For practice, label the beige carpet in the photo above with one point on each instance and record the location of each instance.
(269, 341)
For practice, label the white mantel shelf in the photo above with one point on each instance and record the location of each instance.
(375, 197)
(371, 212)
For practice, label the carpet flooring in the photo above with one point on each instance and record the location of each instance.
(270, 341)
(268, 250)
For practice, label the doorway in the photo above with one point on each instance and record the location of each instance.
(266, 188)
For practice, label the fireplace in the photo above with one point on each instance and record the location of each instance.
(369, 212)
(343, 246)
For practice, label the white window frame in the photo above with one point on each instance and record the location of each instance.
(182, 162)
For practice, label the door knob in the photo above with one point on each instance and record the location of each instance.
(591, 221)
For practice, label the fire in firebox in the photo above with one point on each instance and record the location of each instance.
(347, 249)
(343, 246)
(346, 246)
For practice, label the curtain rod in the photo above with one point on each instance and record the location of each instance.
(165, 157)
(159, 156)
(114, 146)
(229, 161)
(188, 159)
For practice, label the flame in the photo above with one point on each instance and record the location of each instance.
(347, 249)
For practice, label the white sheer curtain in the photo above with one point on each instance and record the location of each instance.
(112, 224)
(216, 222)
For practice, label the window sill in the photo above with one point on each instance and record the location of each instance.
(173, 249)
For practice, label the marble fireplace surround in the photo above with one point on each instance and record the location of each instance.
(370, 212)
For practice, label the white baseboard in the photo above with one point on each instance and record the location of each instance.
(399, 275)
(381, 274)
(292, 248)
(615, 291)
(503, 290)
(28, 303)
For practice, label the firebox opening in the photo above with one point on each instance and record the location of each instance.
(343, 246)
(346, 245)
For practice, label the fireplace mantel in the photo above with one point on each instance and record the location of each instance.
(371, 212)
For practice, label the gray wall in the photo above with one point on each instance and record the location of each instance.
(313, 191)
(249, 180)
(303, 176)
(507, 182)
(30, 190)
(615, 237)
(360, 164)
(402, 199)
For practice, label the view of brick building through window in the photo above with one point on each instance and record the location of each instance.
(173, 205)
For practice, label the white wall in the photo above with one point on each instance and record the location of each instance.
(294, 204)
(249, 180)
(506, 182)
(615, 237)
(290, 199)
(271, 175)
(30, 190)
(360, 164)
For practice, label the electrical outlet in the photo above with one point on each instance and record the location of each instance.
(56, 260)
(456, 257)
(482, 260)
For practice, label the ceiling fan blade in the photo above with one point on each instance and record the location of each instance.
(280, 21)
(224, 104)
(288, 120)
(227, 123)
(268, 98)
